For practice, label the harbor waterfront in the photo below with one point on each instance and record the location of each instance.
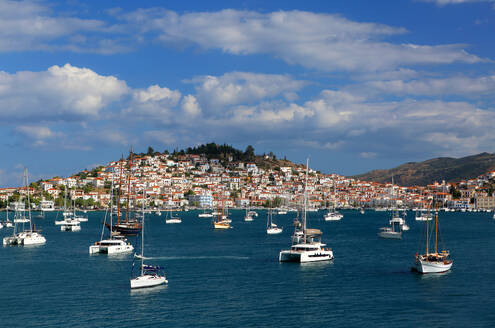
(232, 278)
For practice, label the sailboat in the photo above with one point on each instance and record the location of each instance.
(396, 219)
(204, 214)
(69, 222)
(248, 216)
(432, 262)
(115, 243)
(221, 221)
(422, 215)
(131, 226)
(7, 223)
(170, 218)
(26, 237)
(309, 248)
(271, 227)
(149, 276)
(333, 214)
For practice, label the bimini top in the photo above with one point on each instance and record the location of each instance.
(152, 268)
(313, 232)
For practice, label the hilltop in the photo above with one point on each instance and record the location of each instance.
(436, 169)
(228, 154)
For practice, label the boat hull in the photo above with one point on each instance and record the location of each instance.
(390, 235)
(304, 257)
(117, 248)
(221, 225)
(70, 228)
(425, 267)
(274, 231)
(126, 230)
(147, 281)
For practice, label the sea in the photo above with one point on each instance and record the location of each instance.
(232, 278)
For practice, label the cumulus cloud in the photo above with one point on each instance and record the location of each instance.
(315, 40)
(154, 103)
(190, 106)
(155, 93)
(31, 25)
(60, 93)
(235, 88)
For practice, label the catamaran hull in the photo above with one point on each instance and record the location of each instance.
(304, 257)
(390, 235)
(120, 249)
(24, 239)
(70, 228)
(147, 281)
(432, 267)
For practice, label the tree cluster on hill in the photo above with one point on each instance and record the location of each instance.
(212, 150)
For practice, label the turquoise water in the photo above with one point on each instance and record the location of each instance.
(233, 278)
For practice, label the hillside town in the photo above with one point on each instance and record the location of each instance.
(184, 180)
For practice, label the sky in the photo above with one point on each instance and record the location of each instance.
(353, 85)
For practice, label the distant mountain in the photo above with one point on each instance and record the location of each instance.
(437, 169)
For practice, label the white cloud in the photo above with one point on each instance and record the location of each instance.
(454, 2)
(36, 132)
(190, 106)
(60, 93)
(161, 136)
(31, 25)
(368, 154)
(234, 88)
(319, 41)
(155, 93)
(457, 85)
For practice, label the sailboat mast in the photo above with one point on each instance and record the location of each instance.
(29, 201)
(120, 188)
(111, 209)
(129, 187)
(436, 233)
(305, 198)
(427, 237)
(142, 238)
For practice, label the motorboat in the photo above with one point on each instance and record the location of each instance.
(333, 216)
(394, 231)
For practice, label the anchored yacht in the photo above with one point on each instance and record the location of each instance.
(308, 247)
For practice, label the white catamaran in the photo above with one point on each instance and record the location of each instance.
(115, 243)
(308, 247)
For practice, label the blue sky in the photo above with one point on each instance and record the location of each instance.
(354, 85)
